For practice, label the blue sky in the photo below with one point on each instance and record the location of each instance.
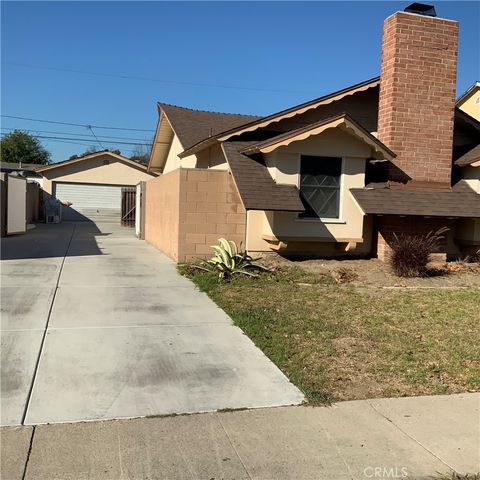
(278, 54)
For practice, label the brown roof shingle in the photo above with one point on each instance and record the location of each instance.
(255, 185)
(385, 201)
(470, 157)
(273, 117)
(192, 126)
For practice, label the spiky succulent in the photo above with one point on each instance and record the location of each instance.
(229, 260)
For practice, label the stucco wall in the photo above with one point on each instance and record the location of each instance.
(188, 210)
(284, 166)
(470, 105)
(95, 171)
(162, 212)
(472, 176)
(212, 157)
(173, 161)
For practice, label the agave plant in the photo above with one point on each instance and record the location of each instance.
(229, 260)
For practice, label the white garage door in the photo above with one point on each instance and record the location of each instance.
(90, 202)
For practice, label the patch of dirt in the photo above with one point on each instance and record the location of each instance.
(374, 273)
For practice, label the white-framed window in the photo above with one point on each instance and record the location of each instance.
(320, 182)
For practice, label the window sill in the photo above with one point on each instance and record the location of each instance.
(321, 220)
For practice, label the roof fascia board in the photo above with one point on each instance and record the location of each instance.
(288, 113)
(350, 126)
(65, 163)
(163, 117)
(465, 95)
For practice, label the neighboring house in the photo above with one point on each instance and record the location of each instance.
(469, 102)
(333, 176)
(27, 170)
(92, 184)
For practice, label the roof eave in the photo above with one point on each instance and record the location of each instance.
(287, 113)
(318, 128)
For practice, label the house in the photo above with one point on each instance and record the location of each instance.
(337, 175)
(469, 102)
(27, 170)
(92, 184)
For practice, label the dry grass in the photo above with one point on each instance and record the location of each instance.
(338, 342)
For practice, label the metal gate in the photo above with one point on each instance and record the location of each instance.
(128, 206)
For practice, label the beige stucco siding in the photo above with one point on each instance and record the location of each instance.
(284, 166)
(173, 161)
(94, 170)
(471, 175)
(259, 223)
(471, 104)
(212, 158)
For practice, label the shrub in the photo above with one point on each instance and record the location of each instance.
(229, 260)
(411, 254)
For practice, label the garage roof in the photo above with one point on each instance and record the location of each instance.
(115, 156)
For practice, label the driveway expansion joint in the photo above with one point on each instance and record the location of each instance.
(408, 435)
(233, 446)
(42, 343)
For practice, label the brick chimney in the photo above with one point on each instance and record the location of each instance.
(417, 95)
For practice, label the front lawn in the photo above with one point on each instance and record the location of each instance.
(340, 342)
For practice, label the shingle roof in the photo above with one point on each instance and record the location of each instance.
(470, 157)
(256, 187)
(115, 156)
(255, 121)
(20, 166)
(192, 126)
(386, 201)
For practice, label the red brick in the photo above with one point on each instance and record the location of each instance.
(417, 94)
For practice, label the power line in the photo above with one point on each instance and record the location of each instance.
(77, 124)
(104, 137)
(84, 144)
(157, 80)
(93, 133)
(89, 140)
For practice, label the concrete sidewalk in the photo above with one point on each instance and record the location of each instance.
(390, 438)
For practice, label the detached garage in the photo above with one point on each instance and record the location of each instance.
(92, 185)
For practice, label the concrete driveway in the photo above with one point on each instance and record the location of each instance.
(97, 324)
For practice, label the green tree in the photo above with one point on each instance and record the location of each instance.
(19, 146)
(91, 150)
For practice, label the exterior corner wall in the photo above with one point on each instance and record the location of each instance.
(259, 223)
(162, 212)
(417, 94)
(173, 162)
(210, 208)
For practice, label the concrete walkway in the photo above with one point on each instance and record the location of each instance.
(389, 439)
(97, 324)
